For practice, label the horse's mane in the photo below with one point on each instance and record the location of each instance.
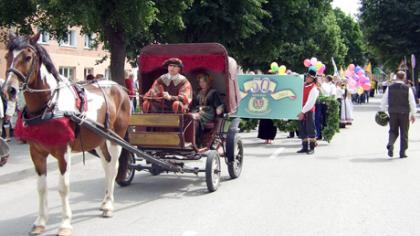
(21, 42)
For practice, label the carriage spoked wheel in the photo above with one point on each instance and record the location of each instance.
(235, 157)
(127, 170)
(213, 170)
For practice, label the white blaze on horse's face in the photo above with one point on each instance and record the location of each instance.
(11, 84)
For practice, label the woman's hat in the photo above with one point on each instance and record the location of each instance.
(173, 61)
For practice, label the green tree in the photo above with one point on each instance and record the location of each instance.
(258, 32)
(121, 25)
(353, 38)
(294, 31)
(19, 14)
(392, 29)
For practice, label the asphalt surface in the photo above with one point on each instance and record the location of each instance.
(347, 188)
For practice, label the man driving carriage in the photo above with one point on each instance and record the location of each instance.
(171, 92)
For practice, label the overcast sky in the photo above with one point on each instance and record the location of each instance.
(348, 6)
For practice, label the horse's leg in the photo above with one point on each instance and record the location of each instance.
(64, 164)
(40, 162)
(110, 153)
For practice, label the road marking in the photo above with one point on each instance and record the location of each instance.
(277, 152)
(189, 233)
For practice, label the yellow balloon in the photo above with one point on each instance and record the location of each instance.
(360, 90)
(318, 65)
(282, 70)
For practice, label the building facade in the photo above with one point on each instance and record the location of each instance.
(74, 56)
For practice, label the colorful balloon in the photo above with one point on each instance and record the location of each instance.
(274, 67)
(307, 63)
(367, 86)
(360, 72)
(356, 77)
(314, 61)
(282, 70)
(360, 90)
(362, 79)
(318, 65)
(352, 83)
(351, 67)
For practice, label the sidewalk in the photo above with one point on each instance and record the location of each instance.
(20, 165)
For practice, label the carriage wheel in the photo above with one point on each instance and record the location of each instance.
(236, 158)
(213, 171)
(125, 177)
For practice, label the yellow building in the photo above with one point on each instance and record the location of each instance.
(74, 57)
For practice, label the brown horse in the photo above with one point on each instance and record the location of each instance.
(31, 69)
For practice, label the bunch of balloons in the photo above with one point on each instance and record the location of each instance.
(316, 65)
(357, 79)
(276, 69)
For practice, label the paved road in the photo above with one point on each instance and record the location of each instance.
(346, 188)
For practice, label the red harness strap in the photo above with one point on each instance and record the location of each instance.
(81, 98)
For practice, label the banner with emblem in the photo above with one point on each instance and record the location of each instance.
(270, 96)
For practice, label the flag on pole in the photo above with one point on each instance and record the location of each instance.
(368, 68)
(342, 73)
(335, 66)
(413, 61)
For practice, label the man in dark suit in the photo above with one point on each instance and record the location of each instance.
(400, 101)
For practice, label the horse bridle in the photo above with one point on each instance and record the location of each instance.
(22, 78)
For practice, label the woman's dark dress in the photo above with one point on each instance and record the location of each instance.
(205, 104)
(266, 129)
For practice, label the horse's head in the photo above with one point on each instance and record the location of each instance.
(23, 64)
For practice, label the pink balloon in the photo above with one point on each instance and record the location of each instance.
(314, 61)
(352, 83)
(366, 86)
(323, 67)
(362, 79)
(307, 62)
(349, 74)
(360, 73)
(351, 67)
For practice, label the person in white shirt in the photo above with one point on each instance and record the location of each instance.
(306, 116)
(400, 103)
(328, 87)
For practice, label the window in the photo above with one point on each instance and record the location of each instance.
(69, 40)
(44, 37)
(87, 71)
(88, 41)
(67, 72)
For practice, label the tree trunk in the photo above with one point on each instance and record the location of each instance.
(118, 52)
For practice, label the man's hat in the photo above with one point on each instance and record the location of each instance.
(312, 72)
(173, 61)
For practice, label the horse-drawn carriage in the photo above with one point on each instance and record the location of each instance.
(61, 117)
(171, 137)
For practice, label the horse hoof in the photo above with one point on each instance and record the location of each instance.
(37, 230)
(64, 232)
(107, 213)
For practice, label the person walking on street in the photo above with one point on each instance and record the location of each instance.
(400, 102)
(306, 116)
